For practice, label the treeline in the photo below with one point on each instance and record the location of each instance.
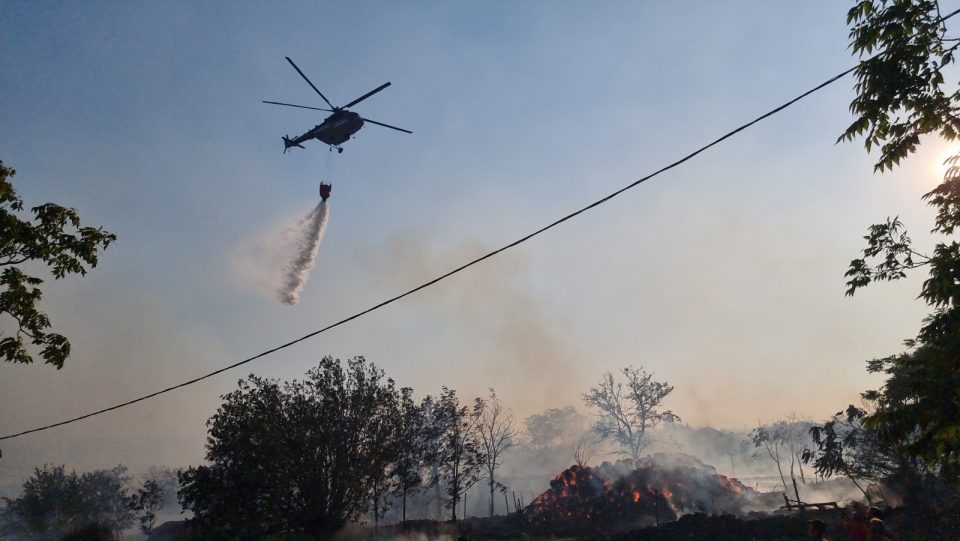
(346, 442)
(55, 503)
(312, 454)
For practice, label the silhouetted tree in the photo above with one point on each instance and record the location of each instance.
(145, 504)
(54, 502)
(498, 432)
(54, 239)
(302, 455)
(901, 95)
(459, 454)
(384, 449)
(166, 479)
(627, 409)
(413, 447)
(844, 446)
(433, 434)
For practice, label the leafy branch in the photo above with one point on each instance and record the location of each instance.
(899, 94)
(55, 238)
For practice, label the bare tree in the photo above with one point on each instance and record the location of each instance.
(627, 409)
(583, 449)
(498, 432)
(784, 442)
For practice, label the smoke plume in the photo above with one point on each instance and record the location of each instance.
(309, 232)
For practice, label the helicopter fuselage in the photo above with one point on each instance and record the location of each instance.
(335, 130)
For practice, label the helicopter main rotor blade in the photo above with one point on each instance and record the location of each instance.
(309, 82)
(300, 106)
(367, 95)
(386, 125)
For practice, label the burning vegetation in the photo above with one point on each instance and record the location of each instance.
(636, 492)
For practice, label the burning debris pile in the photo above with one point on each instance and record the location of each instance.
(634, 493)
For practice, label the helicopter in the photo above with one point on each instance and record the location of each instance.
(337, 128)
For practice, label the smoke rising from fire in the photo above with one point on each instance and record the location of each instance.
(498, 323)
(309, 232)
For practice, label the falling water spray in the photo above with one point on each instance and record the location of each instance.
(308, 244)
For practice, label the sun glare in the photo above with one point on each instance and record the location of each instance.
(941, 165)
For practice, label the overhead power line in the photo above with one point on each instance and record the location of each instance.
(463, 267)
(446, 275)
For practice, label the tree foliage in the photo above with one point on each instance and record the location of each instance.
(628, 408)
(54, 502)
(166, 479)
(146, 503)
(296, 456)
(459, 454)
(901, 95)
(900, 89)
(845, 446)
(555, 428)
(415, 444)
(53, 238)
(551, 437)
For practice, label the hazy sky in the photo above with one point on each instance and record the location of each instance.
(724, 276)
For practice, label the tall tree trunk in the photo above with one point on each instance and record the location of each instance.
(803, 479)
(435, 472)
(782, 478)
(404, 520)
(439, 498)
(376, 506)
(455, 491)
(793, 478)
(454, 497)
(491, 496)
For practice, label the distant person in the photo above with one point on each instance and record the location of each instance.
(817, 530)
(878, 531)
(877, 513)
(856, 524)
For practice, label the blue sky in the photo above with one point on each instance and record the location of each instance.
(724, 276)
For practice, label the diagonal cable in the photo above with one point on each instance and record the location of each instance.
(450, 273)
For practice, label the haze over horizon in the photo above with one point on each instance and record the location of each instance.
(724, 276)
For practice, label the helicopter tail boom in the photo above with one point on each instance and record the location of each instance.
(287, 143)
